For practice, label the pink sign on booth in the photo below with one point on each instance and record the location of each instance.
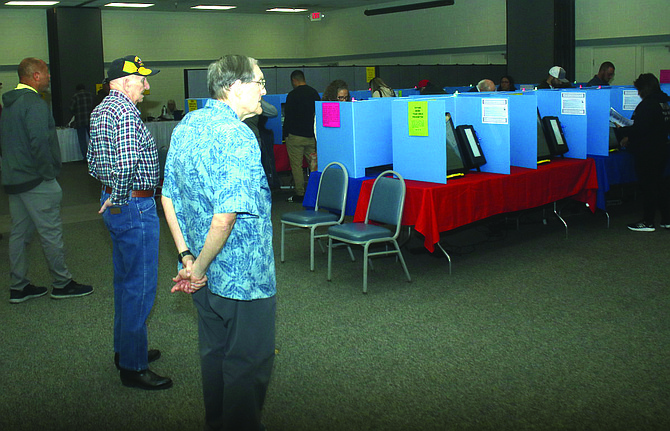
(330, 112)
(665, 76)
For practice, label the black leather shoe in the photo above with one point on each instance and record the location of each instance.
(152, 355)
(145, 379)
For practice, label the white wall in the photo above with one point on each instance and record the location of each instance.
(471, 23)
(23, 34)
(200, 36)
(621, 18)
(614, 23)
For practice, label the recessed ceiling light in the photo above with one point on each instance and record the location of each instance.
(285, 9)
(212, 7)
(31, 3)
(129, 4)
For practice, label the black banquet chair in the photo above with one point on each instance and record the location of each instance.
(332, 197)
(387, 200)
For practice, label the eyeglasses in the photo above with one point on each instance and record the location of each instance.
(342, 98)
(260, 82)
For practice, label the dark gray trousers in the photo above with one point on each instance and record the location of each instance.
(237, 346)
(37, 210)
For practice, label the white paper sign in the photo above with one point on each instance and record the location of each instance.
(573, 103)
(630, 100)
(495, 111)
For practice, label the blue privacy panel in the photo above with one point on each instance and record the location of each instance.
(275, 124)
(493, 138)
(597, 121)
(523, 129)
(336, 144)
(360, 94)
(461, 89)
(574, 126)
(404, 92)
(363, 138)
(617, 99)
(421, 158)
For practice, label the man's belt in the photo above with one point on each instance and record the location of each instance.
(134, 193)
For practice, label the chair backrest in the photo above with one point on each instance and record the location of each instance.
(387, 200)
(333, 185)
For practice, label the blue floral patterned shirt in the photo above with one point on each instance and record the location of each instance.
(214, 167)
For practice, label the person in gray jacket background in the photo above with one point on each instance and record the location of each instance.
(30, 164)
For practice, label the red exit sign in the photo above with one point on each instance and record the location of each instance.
(315, 16)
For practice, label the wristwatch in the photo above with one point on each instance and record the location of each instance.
(183, 254)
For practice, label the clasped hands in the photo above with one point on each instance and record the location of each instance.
(186, 281)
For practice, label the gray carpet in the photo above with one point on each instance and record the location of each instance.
(532, 331)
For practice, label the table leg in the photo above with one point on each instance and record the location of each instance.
(446, 254)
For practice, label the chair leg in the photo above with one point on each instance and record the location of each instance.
(402, 262)
(311, 248)
(365, 268)
(351, 253)
(282, 243)
(330, 257)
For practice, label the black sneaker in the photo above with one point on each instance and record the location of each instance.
(72, 290)
(30, 291)
(641, 227)
(295, 198)
(665, 225)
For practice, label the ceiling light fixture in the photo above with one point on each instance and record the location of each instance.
(129, 4)
(285, 9)
(212, 7)
(31, 3)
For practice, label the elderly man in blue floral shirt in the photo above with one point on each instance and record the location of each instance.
(217, 204)
(124, 157)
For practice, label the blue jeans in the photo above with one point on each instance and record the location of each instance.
(134, 229)
(83, 134)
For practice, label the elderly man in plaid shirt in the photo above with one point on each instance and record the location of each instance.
(123, 156)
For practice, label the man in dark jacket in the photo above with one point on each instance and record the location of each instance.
(604, 76)
(299, 129)
(30, 163)
(647, 140)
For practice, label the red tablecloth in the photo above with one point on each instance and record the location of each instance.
(433, 208)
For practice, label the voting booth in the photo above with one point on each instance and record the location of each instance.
(420, 135)
(624, 100)
(356, 134)
(570, 107)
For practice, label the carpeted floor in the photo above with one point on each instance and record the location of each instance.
(532, 331)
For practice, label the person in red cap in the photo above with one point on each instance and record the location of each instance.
(124, 158)
(426, 87)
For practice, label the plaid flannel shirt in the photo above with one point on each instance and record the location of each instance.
(81, 107)
(122, 154)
